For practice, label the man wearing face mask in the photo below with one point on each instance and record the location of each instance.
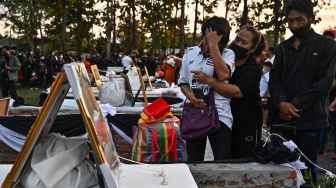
(300, 79)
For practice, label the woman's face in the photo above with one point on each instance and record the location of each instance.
(244, 39)
(206, 48)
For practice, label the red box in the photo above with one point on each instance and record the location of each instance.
(157, 108)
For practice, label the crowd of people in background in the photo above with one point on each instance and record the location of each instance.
(38, 70)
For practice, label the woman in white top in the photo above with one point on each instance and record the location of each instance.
(213, 59)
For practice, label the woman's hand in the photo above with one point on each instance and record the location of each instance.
(201, 77)
(191, 97)
(177, 60)
(212, 37)
(199, 103)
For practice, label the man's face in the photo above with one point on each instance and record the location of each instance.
(4, 51)
(269, 54)
(297, 20)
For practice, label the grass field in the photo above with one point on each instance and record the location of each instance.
(30, 96)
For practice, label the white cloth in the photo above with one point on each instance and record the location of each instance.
(263, 84)
(107, 109)
(126, 61)
(11, 102)
(133, 78)
(297, 165)
(171, 62)
(271, 59)
(59, 162)
(193, 60)
(12, 139)
(112, 93)
(290, 145)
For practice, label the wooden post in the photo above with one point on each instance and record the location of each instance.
(148, 78)
(142, 86)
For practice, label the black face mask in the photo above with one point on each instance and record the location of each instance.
(301, 32)
(240, 53)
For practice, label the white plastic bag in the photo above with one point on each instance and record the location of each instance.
(111, 93)
(59, 162)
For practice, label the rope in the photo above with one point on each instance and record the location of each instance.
(328, 173)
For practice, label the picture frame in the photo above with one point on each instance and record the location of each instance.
(96, 75)
(74, 75)
(40, 127)
(97, 127)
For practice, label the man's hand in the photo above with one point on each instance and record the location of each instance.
(7, 68)
(332, 106)
(199, 103)
(288, 111)
(212, 37)
(201, 77)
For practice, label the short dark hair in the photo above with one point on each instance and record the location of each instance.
(305, 6)
(271, 49)
(221, 26)
(268, 63)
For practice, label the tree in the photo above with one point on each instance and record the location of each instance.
(195, 21)
(265, 15)
(244, 17)
(70, 23)
(20, 15)
(182, 23)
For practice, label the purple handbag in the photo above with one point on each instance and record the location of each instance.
(200, 122)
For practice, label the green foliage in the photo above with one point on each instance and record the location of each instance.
(266, 15)
(325, 182)
(308, 177)
(139, 24)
